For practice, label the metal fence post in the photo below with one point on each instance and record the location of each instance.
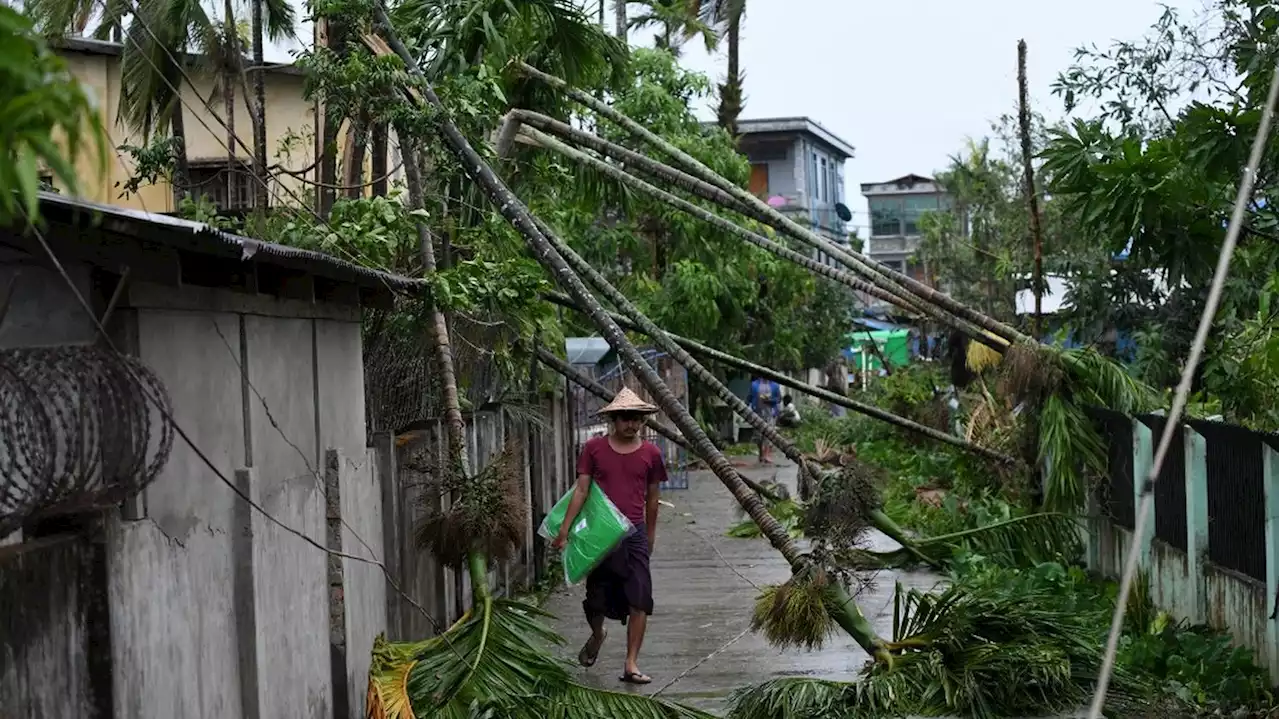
(1271, 492)
(1142, 463)
(1196, 471)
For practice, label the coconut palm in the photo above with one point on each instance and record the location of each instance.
(274, 19)
(678, 21)
(728, 14)
(160, 35)
(59, 18)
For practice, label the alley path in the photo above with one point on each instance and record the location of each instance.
(702, 604)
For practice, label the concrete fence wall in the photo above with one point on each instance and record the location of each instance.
(222, 594)
(1188, 583)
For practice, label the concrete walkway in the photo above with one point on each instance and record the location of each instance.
(704, 595)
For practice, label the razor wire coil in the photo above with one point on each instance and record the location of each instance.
(76, 430)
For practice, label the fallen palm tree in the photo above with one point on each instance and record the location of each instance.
(818, 392)
(1066, 444)
(743, 201)
(672, 177)
(918, 664)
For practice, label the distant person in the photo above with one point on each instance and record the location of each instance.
(763, 400)
(788, 416)
(838, 382)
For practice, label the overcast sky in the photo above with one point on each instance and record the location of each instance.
(906, 81)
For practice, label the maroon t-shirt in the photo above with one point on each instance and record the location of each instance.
(624, 478)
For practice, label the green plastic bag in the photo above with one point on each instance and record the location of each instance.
(598, 529)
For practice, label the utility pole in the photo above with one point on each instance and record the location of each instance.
(1033, 202)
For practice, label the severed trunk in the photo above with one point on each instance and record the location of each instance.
(878, 273)
(514, 211)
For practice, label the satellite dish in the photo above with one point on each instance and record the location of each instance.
(843, 212)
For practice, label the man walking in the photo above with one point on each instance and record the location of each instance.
(628, 470)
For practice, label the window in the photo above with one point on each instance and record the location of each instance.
(886, 216)
(814, 195)
(913, 209)
(824, 190)
(895, 265)
(758, 185)
(210, 179)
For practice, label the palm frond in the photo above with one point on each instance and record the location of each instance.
(1025, 541)
(794, 698)
(496, 663)
(279, 19)
(1071, 448)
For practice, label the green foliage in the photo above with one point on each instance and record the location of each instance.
(496, 663)
(46, 119)
(690, 279)
(1156, 170)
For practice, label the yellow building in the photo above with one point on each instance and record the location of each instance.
(291, 136)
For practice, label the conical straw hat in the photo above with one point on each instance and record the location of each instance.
(627, 401)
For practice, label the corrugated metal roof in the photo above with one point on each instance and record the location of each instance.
(206, 239)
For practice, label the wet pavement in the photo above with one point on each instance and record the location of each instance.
(698, 648)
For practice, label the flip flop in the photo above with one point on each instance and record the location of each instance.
(587, 656)
(634, 678)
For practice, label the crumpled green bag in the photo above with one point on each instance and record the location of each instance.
(598, 529)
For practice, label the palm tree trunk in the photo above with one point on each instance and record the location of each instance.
(230, 53)
(757, 209)
(731, 93)
(515, 212)
(260, 199)
(378, 163)
(181, 164)
(455, 427)
(671, 176)
(620, 19)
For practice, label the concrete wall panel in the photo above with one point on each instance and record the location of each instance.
(170, 587)
(291, 591)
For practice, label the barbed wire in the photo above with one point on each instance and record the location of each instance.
(209, 464)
